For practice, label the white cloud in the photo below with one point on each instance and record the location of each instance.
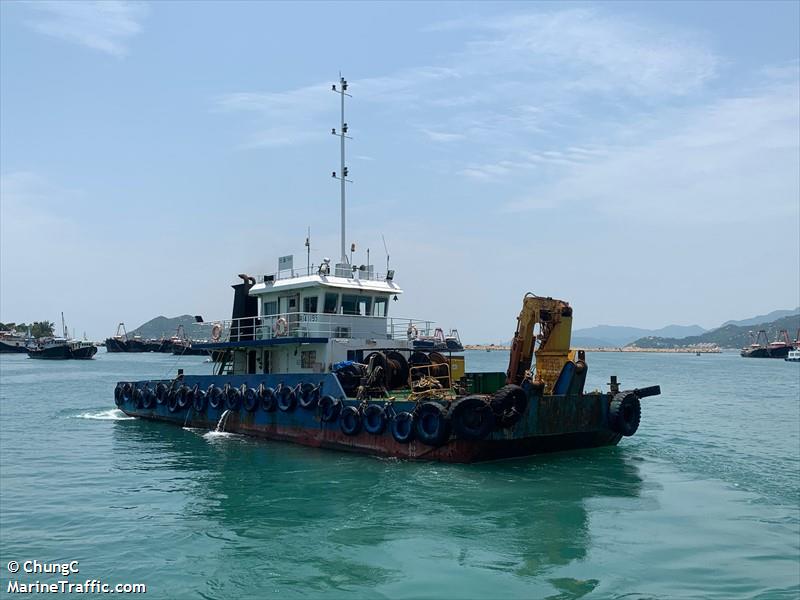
(734, 160)
(442, 136)
(586, 50)
(104, 25)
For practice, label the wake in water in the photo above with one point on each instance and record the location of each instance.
(113, 414)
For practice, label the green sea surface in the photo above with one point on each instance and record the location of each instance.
(703, 502)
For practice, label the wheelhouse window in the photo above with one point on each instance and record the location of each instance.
(310, 304)
(270, 307)
(365, 306)
(331, 302)
(381, 304)
(349, 304)
(356, 305)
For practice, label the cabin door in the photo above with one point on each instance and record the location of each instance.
(290, 305)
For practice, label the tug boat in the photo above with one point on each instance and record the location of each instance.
(315, 359)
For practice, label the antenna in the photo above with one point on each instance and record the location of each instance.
(385, 249)
(308, 251)
(343, 173)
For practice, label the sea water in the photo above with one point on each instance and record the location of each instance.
(703, 502)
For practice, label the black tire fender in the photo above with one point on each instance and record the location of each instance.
(402, 427)
(308, 396)
(625, 413)
(251, 400)
(509, 404)
(216, 396)
(472, 417)
(431, 424)
(329, 409)
(233, 398)
(287, 400)
(374, 417)
(267, 396)
(350, 420)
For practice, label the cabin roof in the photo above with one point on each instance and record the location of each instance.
(329, 281)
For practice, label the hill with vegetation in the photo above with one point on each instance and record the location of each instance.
(614, 336)
(727, 336)
(161, 327)
(768, 318)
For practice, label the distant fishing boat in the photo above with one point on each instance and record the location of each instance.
(12, 342)
(765, 349)
(62, 348)
(793, 356)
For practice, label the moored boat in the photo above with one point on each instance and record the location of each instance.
(12, 342)
(314, 358)
(62, 348)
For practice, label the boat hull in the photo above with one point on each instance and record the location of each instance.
(63, 353)
(549, 423)
(766, 352)
(6, 348)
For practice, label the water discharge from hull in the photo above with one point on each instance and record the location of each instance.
(222, 420)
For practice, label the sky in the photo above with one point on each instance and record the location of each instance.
(640, 160)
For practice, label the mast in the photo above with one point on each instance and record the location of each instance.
(64, 326)
(343, 172)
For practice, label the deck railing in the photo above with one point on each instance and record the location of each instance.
(318, 325)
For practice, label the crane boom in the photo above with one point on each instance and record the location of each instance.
(554, 318)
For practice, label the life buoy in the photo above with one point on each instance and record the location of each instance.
(431, 424)
(281, 327)
(402, 427)
(216, 332)
(472, 418)
(329, 409)
(374, 419)
(350, 420)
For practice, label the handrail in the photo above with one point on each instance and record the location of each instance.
(365, 275)
(317, 325)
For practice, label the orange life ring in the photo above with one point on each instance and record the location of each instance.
(216, 332)
(281, 327)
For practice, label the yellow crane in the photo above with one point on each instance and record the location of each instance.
(547, 321)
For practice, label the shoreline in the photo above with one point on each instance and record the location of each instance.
(492, 348)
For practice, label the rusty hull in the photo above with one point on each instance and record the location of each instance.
(549, 424)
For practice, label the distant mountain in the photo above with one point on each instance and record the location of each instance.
(617, 335)
(166, 327)
(727, 336)
(768, 318)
